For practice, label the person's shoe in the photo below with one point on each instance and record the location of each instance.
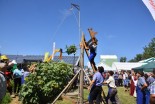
(13, 96)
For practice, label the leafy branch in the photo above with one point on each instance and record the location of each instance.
(71, 49)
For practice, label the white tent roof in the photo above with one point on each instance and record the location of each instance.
(108, 56)
(106, 67)
(126, 65)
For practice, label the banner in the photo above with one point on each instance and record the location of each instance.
(46, 56)
(150, 4)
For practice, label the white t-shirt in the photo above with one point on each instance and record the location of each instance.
(125, 75)
(135, 81)
(111, 82)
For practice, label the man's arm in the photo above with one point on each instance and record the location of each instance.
(107, 81)
(144, 86)
(91, 84)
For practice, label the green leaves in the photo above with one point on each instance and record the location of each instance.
(46, 83)
(148, 52)
(71, 49)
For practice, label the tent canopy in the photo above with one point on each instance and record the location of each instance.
(106, 67)
(152, 59)
(126, 65)
(147, 67)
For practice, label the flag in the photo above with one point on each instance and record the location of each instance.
(150, 4)
(76, 6)
(46, 56)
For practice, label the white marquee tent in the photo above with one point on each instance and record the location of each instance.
(106, 67)
(126, 65)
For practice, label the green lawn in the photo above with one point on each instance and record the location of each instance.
(124, 97)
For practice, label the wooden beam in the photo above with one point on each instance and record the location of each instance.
(82, 73)
(92, 35)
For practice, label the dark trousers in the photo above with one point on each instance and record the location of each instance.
(17, 84)
(95, 94)
(111, 97)
(120, 83)
(116, 82)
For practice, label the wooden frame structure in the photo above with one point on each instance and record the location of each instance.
(84, 47)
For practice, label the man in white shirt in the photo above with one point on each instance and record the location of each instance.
(125, 81)
(112, 91)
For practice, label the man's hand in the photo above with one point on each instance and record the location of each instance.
(89, 88)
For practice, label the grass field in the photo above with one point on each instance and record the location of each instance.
(124, 97)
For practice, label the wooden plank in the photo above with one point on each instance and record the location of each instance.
(92, 35)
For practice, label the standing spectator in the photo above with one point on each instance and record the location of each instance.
(120, 79)
(132, 85)
(112, 91)
(96, 86)
(17, 74)
(152, 90)
(2, 86)
(116, 78)
(8, 76)
(140, 89)
(125, 81)
(149, 79)
(135, 84)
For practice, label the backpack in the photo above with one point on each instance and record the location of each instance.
(17, 73)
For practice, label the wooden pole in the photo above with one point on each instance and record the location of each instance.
(72, 80)
(82, 67)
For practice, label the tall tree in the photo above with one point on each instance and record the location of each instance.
(123, 59)
(149, 51)
(138, 57)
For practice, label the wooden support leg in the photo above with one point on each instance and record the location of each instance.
(66, 87)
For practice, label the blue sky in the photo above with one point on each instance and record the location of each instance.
(29, 27)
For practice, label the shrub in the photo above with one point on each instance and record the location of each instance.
(46, 83)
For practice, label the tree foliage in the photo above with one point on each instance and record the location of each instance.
(46, 83)
(149, 51)
(123, 59)
(71, 49)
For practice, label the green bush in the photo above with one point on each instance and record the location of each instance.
(46, 83)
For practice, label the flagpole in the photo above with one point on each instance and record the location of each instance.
(79, 21)
(80, 87)
(79, 26)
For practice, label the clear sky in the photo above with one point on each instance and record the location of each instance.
(29, 27)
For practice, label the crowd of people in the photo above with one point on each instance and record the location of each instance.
(138, 84)
(15, 75)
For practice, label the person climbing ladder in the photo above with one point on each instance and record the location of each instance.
(93, 53)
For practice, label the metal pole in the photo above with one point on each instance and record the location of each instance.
(79, 26)
(81, 73)
(73, 63)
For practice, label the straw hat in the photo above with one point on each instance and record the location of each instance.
(4, 57)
